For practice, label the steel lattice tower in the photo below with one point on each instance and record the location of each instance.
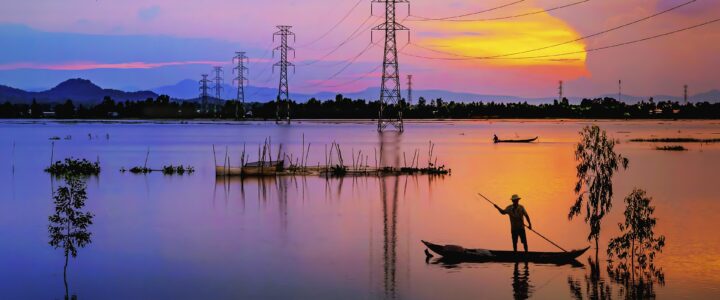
(685, 94)
(241, 70)
(390, 84)
(218, 80)
(410, 98)
(204, 93)
(283, 89)
(560, 90)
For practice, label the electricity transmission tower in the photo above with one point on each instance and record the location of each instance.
(241, 71)
(390, 105)
(686, 94)
(410, 98)
(204, 93)
(620, 90)
(217, 87)
(283, 89)
(560, 90)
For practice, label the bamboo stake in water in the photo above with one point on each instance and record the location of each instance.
(302, 154)
(214, 156)
(307, 153)
(376, 159)
(352, 153)
(226, 164)
(146, 158)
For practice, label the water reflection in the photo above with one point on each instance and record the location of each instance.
(636, 284)
(68, 228)
(269, 188)
(619, 279)
(276, 192)
(595, 286)
(389, 207)
(522, 289)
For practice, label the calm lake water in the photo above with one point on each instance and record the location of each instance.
(198, 237)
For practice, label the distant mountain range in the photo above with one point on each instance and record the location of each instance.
(78, 90)
(86, 92)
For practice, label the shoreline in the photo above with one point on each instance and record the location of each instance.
(334, 121)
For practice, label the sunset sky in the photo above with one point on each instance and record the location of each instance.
(146, 44)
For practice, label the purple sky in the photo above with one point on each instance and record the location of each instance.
(146, 44)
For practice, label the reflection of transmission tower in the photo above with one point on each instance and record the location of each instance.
(283, 90)
(390, 85)
(241, 71)
(204, 93)
(217, 87)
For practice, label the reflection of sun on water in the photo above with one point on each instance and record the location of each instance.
(492, 38)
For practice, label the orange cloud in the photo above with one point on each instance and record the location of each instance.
(492, 38)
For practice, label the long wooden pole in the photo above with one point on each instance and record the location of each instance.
(542, 236)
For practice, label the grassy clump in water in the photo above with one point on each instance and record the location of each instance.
(180, 170)
(338, 170)
(140, 170)
(72, 166)
(166, 170)
(676, 140)
(671, 148)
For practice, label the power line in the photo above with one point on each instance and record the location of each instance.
(607, 30)
(354, 35)
(352, 60)
(582, 51)
(356, 79)
(511, 16)
(334, 26)
(419, 18)
(362, 76)
(349, 62)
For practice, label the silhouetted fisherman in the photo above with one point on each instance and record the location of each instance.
(495, 138)
(516, 212)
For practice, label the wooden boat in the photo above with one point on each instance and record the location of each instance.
(516, 141)
(227, 171)
(264, 168)
(458, 253)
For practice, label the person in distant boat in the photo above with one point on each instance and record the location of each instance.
(495, 138)
(516, 212)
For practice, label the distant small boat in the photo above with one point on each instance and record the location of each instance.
(458, 253)
(515, 141)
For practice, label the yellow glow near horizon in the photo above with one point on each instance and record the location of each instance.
(492, 38)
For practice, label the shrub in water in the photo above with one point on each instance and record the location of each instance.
(72, 166)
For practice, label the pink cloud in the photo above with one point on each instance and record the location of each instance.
(79, 66)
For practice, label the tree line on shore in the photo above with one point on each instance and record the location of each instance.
(163, 107)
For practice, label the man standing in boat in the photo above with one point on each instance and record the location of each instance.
(516, 212)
